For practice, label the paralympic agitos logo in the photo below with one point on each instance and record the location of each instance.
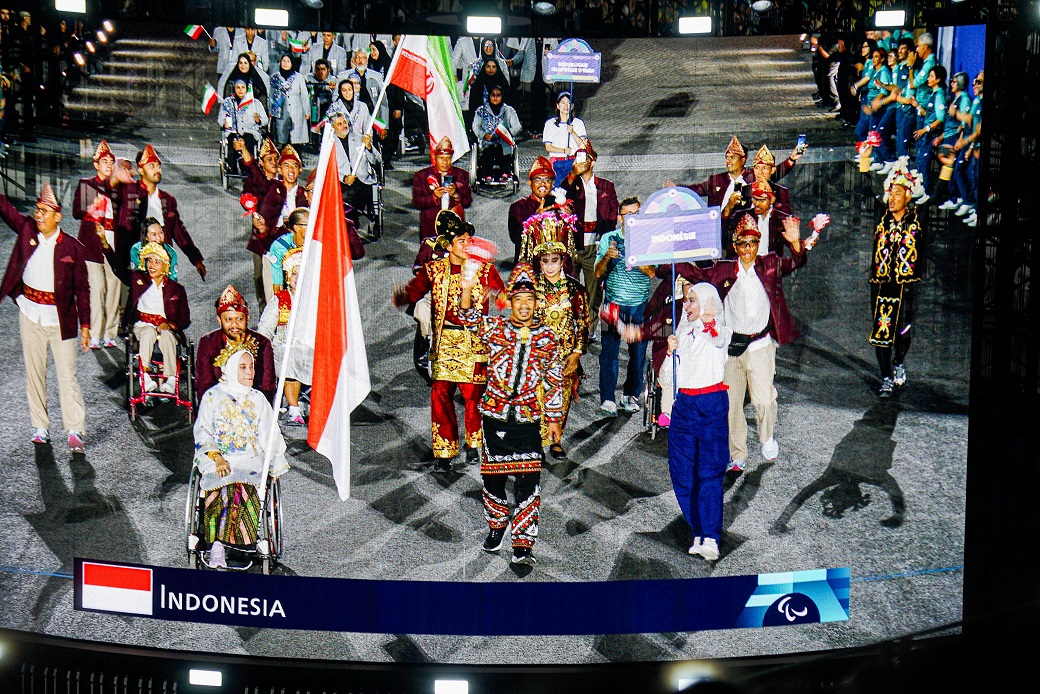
(793, 608)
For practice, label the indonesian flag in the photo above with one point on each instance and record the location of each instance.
(116, 588)
(422, 66)
(503, 134)
(297, 46)
(329, 320)
(209, 98)
(194, 31)
(247, 99)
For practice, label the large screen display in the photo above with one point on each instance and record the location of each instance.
(843, 465)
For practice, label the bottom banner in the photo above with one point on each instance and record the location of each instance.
(462, 609)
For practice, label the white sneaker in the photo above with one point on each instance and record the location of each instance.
(709, 549)
(964, 209)
(630, 403)
(169, 386)
(972, 220)
(949, 205)
(94, 344)
(923, 199)
(737, 466)
(149, 383)
(770, 449)
(217, 559)
(608, 408)
(695, 548)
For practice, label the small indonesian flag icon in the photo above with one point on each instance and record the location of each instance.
(114, 588)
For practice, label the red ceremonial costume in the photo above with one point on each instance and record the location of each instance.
(214, 348)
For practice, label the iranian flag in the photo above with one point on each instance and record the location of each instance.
(209, 98)
(379, 125)
(248, 99)
(503, 134)
(297, 46)
(194, 31)
(422, 66)
(327, 318)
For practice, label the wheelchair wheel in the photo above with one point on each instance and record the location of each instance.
(188, 380)
(133, 382)
(273, 528)
(192, 514)
(516, 170)
(473, 182)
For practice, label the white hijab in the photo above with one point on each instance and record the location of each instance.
(229, 374)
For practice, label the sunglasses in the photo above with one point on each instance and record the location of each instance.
(745, 244)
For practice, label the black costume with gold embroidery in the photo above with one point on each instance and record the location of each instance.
(895, 268)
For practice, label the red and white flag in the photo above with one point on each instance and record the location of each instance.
(114, 588)
(328, 318)
(503, 134)
(209, 98)
(247, 99)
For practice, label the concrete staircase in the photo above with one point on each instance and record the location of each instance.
(157, 78)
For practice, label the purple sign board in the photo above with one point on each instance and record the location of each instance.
(674, 225)
(573, 61)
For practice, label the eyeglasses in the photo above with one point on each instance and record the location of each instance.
(745, 244)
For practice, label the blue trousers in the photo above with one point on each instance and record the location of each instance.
(923, 160)
(883, 123)
(962, 177)
(698, 452)
(904, 130)
(608, 357)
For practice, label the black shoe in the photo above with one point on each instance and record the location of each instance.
(557, 452)
(472, 455)
(885, 391)
(494, 540)
(442, 465)
(523, 555)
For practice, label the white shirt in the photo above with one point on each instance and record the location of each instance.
(590, 206)
(747, 306)
(289, 206)
(701, 357)
(155, 207)
(560, 136)
(733, 180)
(39, 274)
(763, 228)
(151, 301)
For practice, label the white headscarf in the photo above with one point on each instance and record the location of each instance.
(229, 374)
(708, 297)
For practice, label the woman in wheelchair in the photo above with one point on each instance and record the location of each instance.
(234, 425)
(156, 311)
(496, 126)
(241, 118)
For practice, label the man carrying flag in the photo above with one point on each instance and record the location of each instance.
(326, 317)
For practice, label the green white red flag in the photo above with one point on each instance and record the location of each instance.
(209, 98)
(194, 31)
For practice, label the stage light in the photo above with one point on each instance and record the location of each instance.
(205, 678)
(483, 26)
(271, 18)
(450, 687)
(90, 47)
(107, 26)
(79, 6)
(101, 37)
(544, 8)
(761, 6)
(694, 25)
(890, 18)
(313, 4)
(78, 57)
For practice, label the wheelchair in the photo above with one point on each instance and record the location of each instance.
(370, 218)
(268, 549)
(183, 394)
(226, 173)
(480, 178)
(651, 400)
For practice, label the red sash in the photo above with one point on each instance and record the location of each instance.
(38, 297)
(152, 318)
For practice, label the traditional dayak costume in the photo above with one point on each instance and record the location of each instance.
(524, 386)
(563, 306)
(894, 270)
(458, 360)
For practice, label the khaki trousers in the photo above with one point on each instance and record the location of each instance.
(35, 341)
(105, 290)
(752, 372)
(262, 280)
(587, 258)
(147, 336)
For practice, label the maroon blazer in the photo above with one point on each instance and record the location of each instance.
(175, 299)
(771, 269)
(777, 242)
(133, 210)
(606, 205)
(86, 192)
(715, 186)
(429, 206)
(257, 183)
(270, 209)
(210, 346)
(71, 290)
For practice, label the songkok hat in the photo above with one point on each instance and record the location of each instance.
(548, 232)
(736, 148)
(521, 280)
(444, 146)
(762, 189)
(154, 250)
(764, 156)
(103, 151)
(291, 260)
(541, 167)
(746, 226)
(587, 148)
(900, 175)
(149, 156)
(311, 179)
(47, 198)
(232, 300)
(289, 154)
(268, 147)
(449, 226)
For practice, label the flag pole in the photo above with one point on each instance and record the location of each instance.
(290, 330)
(375, 107)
